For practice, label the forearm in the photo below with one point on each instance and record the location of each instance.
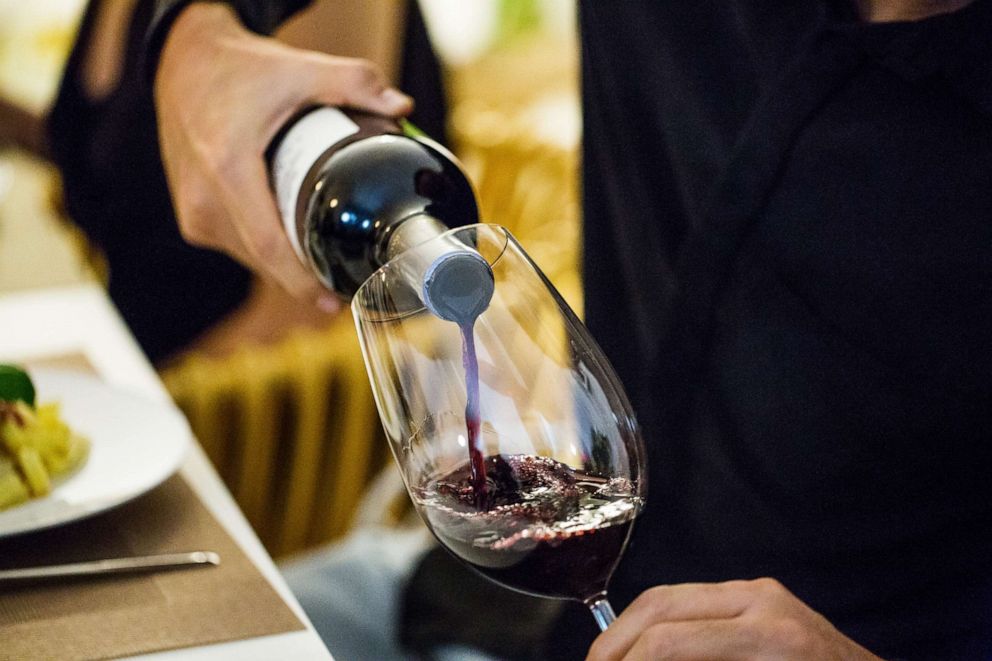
(262, 16)
(22, 128)
(882, 11)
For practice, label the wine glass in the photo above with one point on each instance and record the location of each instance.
(514, 437)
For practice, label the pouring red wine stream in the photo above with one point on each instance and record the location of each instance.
(473, 422)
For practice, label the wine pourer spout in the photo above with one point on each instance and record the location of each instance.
(453, 280)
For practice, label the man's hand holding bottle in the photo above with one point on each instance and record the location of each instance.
(221, 95)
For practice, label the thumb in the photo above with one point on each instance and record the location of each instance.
(358, 84)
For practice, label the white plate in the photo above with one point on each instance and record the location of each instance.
(135, 444)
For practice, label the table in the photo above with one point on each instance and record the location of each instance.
(33, 327)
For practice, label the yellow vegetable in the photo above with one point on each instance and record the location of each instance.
(13, 490)
(78, 449)
(14, 434)
(29, 461)
(35, 446)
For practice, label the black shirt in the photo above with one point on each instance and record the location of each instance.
(788, 259)
(788, 232)
(167, 290)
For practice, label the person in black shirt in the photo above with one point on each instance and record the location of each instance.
(788, 258)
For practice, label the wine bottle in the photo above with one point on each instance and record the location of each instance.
(354, 190)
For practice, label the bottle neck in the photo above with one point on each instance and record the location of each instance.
(453, 280)
(413, 231)
(344, 181)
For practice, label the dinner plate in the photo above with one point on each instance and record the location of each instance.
(135, 444)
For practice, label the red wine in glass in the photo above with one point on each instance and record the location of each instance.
(527, 522)
(551, 507)
(548, 530)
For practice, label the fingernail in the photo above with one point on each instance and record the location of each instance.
(395, 98)
(328, 303)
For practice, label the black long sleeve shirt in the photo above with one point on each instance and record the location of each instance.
(788, 259)
(788, 233)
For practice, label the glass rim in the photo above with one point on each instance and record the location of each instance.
(358, 310)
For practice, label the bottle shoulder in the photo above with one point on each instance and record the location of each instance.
(343, 178)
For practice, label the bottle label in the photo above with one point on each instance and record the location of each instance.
(302, 145)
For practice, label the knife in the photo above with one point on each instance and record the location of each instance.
(113, 566)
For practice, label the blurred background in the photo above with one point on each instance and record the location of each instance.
(277, 394)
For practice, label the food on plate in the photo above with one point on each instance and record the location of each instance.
(36, 445)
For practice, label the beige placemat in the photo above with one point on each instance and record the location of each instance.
(110, 617)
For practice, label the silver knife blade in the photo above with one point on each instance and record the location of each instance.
(113, 566)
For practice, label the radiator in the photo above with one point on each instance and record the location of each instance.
(292, 430)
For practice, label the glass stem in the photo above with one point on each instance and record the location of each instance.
(602, 611)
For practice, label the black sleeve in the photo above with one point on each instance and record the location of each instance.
(114, 189)
(262, 16)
